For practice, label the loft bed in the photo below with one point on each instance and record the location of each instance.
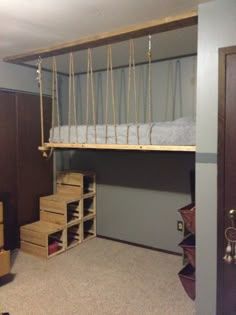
(177, 135)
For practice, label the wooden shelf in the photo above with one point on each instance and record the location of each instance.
(74, 235)
(134, 147)
(89, 228)
(60, 209)
(42, 239)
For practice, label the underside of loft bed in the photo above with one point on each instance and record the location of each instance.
(133, 147)
(149, 28)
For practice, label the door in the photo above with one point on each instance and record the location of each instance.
(34, 172)
(226, 282)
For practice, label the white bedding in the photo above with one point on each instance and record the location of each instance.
(178, 132)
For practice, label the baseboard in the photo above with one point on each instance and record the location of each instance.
(140, 245)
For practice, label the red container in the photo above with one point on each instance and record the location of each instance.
(188, 215)
(188, 245)
(53, 248)
(187, 278)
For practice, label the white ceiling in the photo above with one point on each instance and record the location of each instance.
(28, 25)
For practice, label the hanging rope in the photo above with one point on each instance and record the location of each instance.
(91, 81)
(39, 71)
(135, 90)
(87, 97)
(178, 79)
(149, 87)
(74, 97)
(169, 90)
(53, 100)
(110, 72)
(69, 102)
(128, 95)
(57, 97)
(107, 96)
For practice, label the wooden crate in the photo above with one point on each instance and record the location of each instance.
(4, 262)
(60, 209)
(43, 239)
(1, 236)
(1, 226)
(1, 212)
(89, 207)
(69, 190)
(89, 228)
(83, 179)
(74, 235)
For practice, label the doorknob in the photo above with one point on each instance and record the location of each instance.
(230, 236)
(232, 215)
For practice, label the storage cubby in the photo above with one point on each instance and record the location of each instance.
(89, 206)
(42, 239)
(187, 274)
(89, 229)
(188, 245)
(74, 211)
(55, 242)
(74, 233)
(60, 210)
(85, 180)
(187, 278)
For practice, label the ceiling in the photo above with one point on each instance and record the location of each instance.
(27, 25)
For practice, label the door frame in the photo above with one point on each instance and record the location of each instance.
(223, 53)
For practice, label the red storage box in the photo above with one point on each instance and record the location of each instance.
(187, 278)
(53, 248)
(188, 215)
(188, 245)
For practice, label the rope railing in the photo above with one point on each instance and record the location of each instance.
(110, 71)
(90, 81)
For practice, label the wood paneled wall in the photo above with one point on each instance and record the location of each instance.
(24, 174)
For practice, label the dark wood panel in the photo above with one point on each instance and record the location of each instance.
(8, 187)
(226, 285)
(35, 173)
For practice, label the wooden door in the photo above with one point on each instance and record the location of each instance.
(8, 183)
(34, 172)
(226, 282)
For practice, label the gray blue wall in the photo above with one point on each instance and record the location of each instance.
(139, 193)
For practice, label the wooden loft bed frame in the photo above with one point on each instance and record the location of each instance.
(149, 28)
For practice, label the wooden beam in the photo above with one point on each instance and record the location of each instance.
(133, 147)
(151, 27)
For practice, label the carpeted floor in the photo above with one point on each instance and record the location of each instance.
(99, 277)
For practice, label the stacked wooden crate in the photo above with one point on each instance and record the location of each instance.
(67, 218)
(4, 255)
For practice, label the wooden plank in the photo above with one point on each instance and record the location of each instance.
(69, 190)
(4, 262)
(56, 218)
(1, 212)
(1, 236)
(182, 148)
(42, 227)
(151, 27)
(33, 249)
(53, 205)
(34, 237)
(70, 178)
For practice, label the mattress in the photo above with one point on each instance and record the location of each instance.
(181, 131)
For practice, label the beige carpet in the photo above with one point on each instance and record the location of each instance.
(99, 277)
